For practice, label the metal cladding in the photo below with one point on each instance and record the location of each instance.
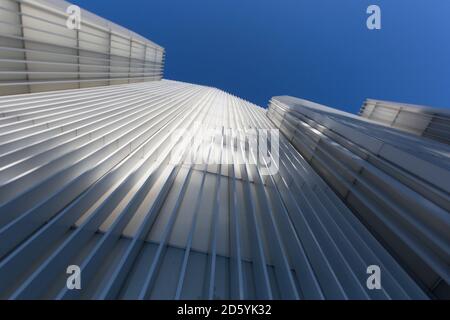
(86, 180)
(397, 184)
(432, 123)
(38, 52)
(120, 176)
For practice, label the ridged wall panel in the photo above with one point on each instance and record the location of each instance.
(85, 180)
(39, 52)
(396, 183)
(432, 123)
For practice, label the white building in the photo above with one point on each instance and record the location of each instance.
(88, 179)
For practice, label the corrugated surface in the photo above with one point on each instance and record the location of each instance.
(432, 123)
(398, 184)
(38, 52)
(85, 179)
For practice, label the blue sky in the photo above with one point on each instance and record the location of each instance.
(320, 50)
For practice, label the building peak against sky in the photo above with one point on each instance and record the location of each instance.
(318, 49)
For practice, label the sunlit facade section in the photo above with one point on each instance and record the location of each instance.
(48, 45)
(396, 183)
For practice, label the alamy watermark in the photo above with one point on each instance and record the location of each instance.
(374, 280)
(74, 280)
(374, 20)
(73, 21)
(226, 146)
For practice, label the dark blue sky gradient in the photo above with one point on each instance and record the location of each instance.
(319, 50)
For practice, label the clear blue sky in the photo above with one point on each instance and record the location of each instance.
(319, 50)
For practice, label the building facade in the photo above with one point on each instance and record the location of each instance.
(395, 182)
(161, 189)
(431, 123)
(44, 49)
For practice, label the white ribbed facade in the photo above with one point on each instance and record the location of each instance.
(398, 184)
(38, 52)
(86, 184)
(88, 179)
(431, 123)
